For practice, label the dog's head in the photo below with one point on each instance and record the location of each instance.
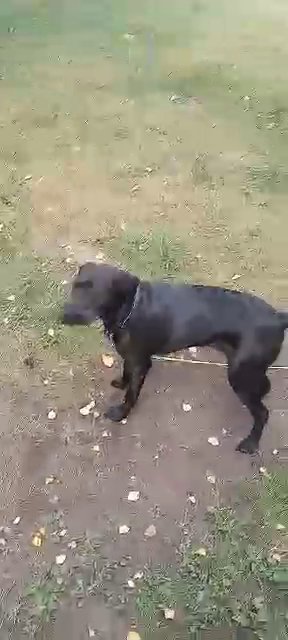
(98, 291)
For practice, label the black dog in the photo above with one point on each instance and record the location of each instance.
(146, 318)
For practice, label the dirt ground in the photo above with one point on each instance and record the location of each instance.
(162, 452)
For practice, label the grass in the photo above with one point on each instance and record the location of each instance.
(234, 579)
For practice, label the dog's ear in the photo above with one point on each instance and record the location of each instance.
(124, 285)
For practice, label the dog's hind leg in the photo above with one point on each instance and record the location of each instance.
(250, 383)
(136, 371)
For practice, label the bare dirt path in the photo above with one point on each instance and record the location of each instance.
(162, 452)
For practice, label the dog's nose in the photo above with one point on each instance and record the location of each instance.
(71, 315)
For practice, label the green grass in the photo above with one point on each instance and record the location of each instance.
(232, 579)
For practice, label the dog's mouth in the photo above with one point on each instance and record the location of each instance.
(72, 315)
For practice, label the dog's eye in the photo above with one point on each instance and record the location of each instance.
(83, 284)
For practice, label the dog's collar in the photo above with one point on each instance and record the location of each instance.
(134, 304)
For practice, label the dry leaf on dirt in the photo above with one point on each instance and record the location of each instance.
(123, 529)
(84, 411)
(192, 499)
(38, 537)
(150, 531)
(107, 360)
(60, 559)
(236, 276)
(169, 614)
(133, 635)
(131, 584)
(50, 480)
(186, 407)
(211, 478)
(133, 496)
(52, 414)
(264, 472)
(16, 520)
(213, 441)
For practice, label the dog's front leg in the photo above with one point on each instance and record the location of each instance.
(135, 375)
(123, 381)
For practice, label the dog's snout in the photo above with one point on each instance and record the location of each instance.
(72, 315)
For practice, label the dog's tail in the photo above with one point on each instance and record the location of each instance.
(283, 317)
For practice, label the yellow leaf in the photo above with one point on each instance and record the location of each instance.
(107, 360)
(133, 635)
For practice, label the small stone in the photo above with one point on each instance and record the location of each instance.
(213, 441)
(276, 557)
(11, 298)
(124, 421)
(264, 472)
(91, 633)
(51, 333)
(236, 276)
(275, 452)
(133, 496)
(280, 527)
(52, 414)
(60, 559)
(186, 407)
(169, 614)
(16, 520)
(150, 531)
(138, 575)
(192, 499)
(96, 448)
(123, 529)
(49, 480)
(201, 552)
(211, 478)
(62, 533)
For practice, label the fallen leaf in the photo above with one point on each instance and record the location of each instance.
(224, 432)
(169, 614)
(123, 529)
(88, 408)
(211, 478)
(107, 360)
(213, 441)
(91, 633)
(150, 531)
(17, 520)
(186, 407)
(96, 448)
(38, 538)
(236, 276)
(62, 533)
(264, 472)
(52, 414)
(131, 584)
(201, 552)
(60, 559)
(51, 333)
(50, 480)
(133, 635)
(192, 499)
(275, 452)
(133, 496)
(138, 575)
(72, 544)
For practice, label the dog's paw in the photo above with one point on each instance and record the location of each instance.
(116, 413)
(118, 383)
(248, 445)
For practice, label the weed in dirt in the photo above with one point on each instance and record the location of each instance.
(232, 581)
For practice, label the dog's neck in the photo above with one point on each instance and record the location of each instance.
(117, 317)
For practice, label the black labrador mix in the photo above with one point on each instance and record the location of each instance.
(147, 318)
